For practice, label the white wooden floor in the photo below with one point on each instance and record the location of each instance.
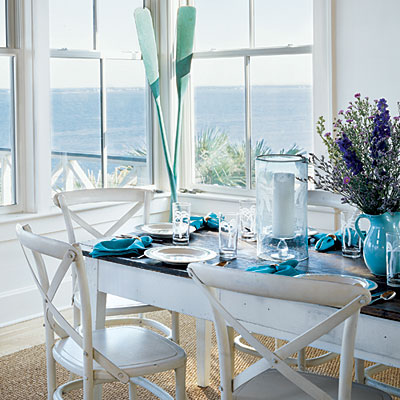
(24, 334)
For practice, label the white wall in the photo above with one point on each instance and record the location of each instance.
(19, 297)
(368, 50)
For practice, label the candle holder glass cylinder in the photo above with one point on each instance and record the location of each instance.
(281, 210)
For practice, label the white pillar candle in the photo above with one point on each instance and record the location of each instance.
(283, 217)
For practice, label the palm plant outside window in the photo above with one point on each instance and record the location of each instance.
(252, 86)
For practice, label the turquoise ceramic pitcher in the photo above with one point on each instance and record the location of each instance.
(374, 242)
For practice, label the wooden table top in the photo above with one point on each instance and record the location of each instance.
(331, 262)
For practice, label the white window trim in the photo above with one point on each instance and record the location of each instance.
(34, 150)
(323, 94)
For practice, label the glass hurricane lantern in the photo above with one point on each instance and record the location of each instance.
(281, 211)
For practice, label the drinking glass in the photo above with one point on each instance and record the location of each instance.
(228, 235)
(393, 259)
(247, 210)
(351, 241)
(180, 223)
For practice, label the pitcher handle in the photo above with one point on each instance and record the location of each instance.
(359, 231)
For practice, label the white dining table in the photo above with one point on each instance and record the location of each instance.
(377, 338)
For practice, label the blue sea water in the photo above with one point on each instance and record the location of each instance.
(281, 115)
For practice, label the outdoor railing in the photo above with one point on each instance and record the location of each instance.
(69, 171)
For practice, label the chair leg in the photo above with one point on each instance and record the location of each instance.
(231, 337)
(50, 362)
(175, 326)
(180, 385)
(301, 360)
(77, 316)
(359, 370)
(88, 389)
(132, 391)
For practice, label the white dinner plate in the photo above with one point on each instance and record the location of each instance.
(179, 254)
(366, 283)
(161, 229)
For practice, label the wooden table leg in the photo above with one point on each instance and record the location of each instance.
(98, 304)
(203, 351)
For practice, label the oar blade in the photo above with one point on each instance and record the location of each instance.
(147, 43)
(184, 45)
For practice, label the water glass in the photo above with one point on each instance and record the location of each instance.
(393, 259)
(228, 235)
(180, 223)
(247, 210)
(351, 241)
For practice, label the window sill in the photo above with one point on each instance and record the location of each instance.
(52, 221)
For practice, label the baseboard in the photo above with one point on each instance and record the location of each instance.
(26, 303)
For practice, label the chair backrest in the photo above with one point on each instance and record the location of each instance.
(321, 198)
(140, 197)
(69, 256)
(349, 299)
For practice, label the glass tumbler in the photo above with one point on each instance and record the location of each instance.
(228, 235)
(180, 223)
(351, 241)
(247, 210)
(393, 259)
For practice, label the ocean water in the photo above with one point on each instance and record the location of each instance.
(281, 115)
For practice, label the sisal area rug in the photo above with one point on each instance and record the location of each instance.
(23, 374)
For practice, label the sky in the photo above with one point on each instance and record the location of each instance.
(221, 24)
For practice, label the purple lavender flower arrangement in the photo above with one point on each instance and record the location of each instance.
(364, 157)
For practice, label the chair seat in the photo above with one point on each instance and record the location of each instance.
(121, 306)
(272, 385)
(137, 351)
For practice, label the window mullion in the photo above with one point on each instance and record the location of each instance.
(14, 199)
(251, 24)
(258, 51)
(95, 25)
(248, 120)
(103, 122)
(12, 23)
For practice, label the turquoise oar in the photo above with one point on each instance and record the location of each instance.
(184, 52)
(147, 43)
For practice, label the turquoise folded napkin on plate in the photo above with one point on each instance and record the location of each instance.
(210, 221)
(284, 268)
(325, 241)
(119, 247)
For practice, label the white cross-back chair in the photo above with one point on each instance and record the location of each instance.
(318, 198)
(120, 353)
(140, 198)
(271, 377)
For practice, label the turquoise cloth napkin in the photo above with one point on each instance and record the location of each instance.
(325, 242)
(284, 268)
(119, 247)
(210, 221)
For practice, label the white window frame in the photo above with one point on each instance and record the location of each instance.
(103, 57)
(321, 51)
(33, 126)
(15, 42)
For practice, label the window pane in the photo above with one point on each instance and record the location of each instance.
(122, 35)
(7, 166)
(2, 23)
(281, 104)
(219, 122)
(279, 23)
(222, 24)
(71, 24)
(76, 138)
(126, 124)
